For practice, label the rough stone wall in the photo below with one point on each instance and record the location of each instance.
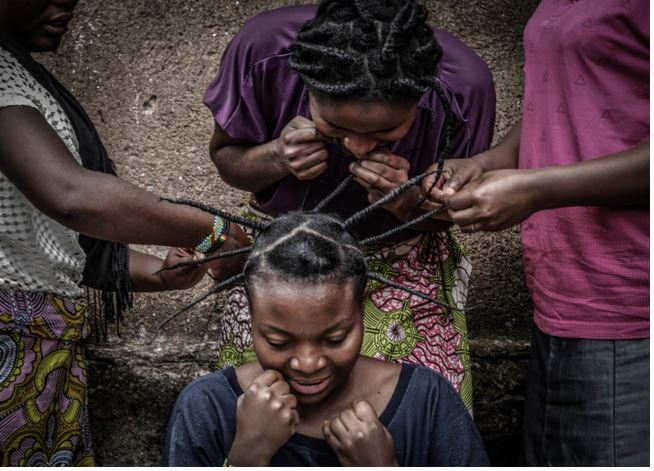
(140, 68)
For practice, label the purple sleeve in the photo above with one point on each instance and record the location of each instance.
(256, 93)
(466, 77)
(231, 97)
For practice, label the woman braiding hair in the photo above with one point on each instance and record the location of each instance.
(66, 221)
(333, 108)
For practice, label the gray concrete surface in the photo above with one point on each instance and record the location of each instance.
(140, 68)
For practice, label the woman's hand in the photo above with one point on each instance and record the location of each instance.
(182, 277)
(359, 438)
(380, 172)
(494, 201)
(223, 268)
(301, 148)
(456, 174)
(266, 417)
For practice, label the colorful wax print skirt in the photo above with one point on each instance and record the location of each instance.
(43, 393)
(399, 326)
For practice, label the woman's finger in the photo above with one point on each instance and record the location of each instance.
(388, 159)
(459, 201)
(372, 179)
(338, 428)
(310, 160)
(305, 134)
(465, 218)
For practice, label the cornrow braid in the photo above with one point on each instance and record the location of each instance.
(306, 247)
(393, 284)
(367, 50)
(219, 212)
(390, 196)
(337, 191)
(228, 283)
(443, 152)
(217, 256)
(400, 228)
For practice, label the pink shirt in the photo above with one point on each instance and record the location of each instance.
(586, 96)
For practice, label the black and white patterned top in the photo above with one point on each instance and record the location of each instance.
(36, 252)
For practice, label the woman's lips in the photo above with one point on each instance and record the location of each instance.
(309, 388)
(58, 26)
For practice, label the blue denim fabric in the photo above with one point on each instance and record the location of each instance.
(587, 402)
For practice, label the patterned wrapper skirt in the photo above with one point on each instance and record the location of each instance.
(43, 391)
(399, 326)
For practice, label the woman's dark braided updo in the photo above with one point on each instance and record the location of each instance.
(369, 50)
(306, 248)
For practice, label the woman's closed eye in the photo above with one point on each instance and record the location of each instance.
(336, 339)
(277, 343)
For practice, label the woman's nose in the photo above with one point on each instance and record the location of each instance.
(307, 361)
(359, 145)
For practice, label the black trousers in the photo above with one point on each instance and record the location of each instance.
(587, 402)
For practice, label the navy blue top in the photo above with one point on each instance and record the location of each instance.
(429, 424)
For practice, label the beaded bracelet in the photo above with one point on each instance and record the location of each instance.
(216, 237)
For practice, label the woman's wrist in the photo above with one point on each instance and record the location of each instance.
(538, 188)
(500, 157)
(218, 235)
(242, 454)
(272, 153)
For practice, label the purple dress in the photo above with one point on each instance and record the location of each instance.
(255, 95)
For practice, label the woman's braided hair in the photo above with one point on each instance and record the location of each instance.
(369, 50)
(306, 248)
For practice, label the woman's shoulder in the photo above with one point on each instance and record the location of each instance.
(408, 378)
(380, 371)
(461, 68)
(429, 379)
(17, 86)
(271, 33)
(212, 385)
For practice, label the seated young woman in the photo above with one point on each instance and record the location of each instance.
(311, 399)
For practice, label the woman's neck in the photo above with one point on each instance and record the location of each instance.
(371, 380)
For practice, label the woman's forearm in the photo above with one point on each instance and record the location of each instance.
(620, 179)
(505, 154)
(143, 270)
(97, 204)
(248, 167)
